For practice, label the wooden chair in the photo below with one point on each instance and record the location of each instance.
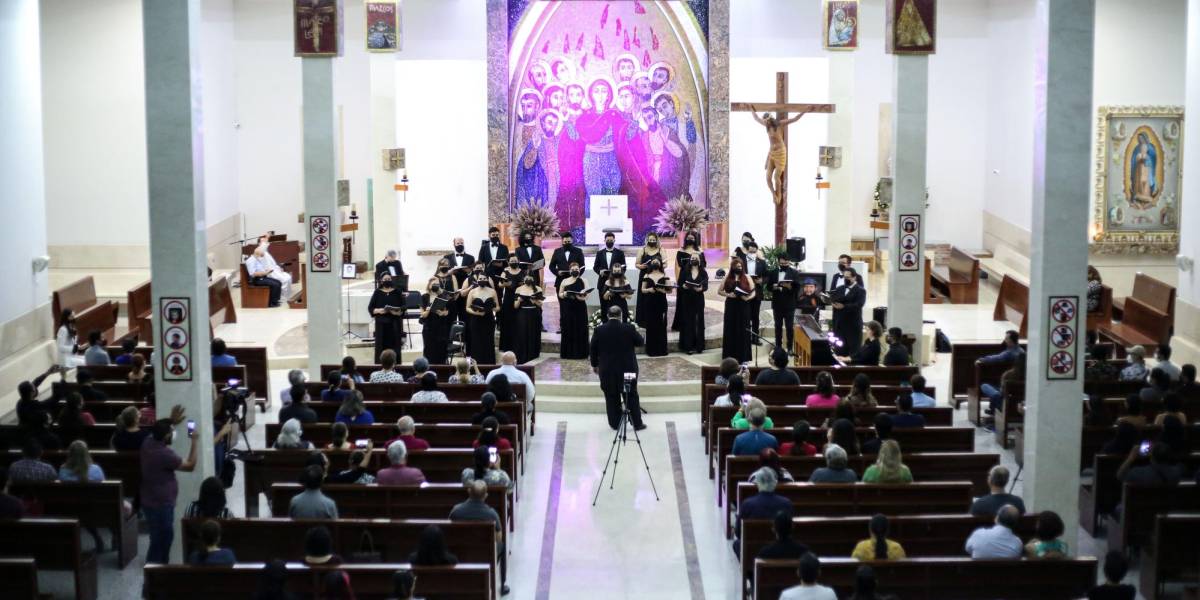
(55, 545)
(1141, 324)
(253, 296)
(958, 280)
(1152, 292)
(1012, 305)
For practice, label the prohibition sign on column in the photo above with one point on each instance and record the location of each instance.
(1062, 362)
(1063, 310)
(1062, 336)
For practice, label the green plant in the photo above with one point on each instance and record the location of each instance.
(535, 219)
(771, 254)
(678, 215)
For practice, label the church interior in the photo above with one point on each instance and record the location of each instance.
(671, 299)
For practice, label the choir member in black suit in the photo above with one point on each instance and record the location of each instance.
(560, 261)
(783, 283)
(613, 355)
(388, 335)
(683, 260)
(649, 252)
(507, 282)
(615, 290)
(847, 301)
(461, 264)
(390, 265)
(738, 292)
(529, 253)
(809, 302)
(653, 308)
(527, 334)
(435, 324)
(492, 250)
(573, 318)
(756, 270)
(481, 307)
(689, 305)
(844, 262)
(608, 256)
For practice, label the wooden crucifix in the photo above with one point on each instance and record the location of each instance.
(776, 126)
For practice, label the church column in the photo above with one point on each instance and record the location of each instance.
(1186, 343)
(1064, 33)
(320, 200)
(175, 174)
(384, 219)
(906, 266)
(839, 198)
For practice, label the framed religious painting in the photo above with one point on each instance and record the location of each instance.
(840, 31)
(317, 27)
(1138, 182)
(383, 30)
(911, 26)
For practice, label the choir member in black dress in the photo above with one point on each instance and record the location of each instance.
(683, 258)
(847, 301)
(573, 318)
(388, 335)
(449, 285)
(689, 305)
(529, 253)
(481, 307)
(492, 250)
(506, 283)
(435, 324)
(615, 291)
(527, 333)
(809, 302)
(560, 261)
(740, 251)
(649, 252)
(784, 289)
(653, 308)
(756, 270)
(608, 256)
(738, 292)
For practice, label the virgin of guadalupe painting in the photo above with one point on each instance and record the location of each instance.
(911, 26)
(1138, 180)
(841, 25)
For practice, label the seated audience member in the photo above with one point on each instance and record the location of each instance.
(30, 468)
(429, 391)
(38, 429)
(399, 473)
(11, 506)
(28, 406)
(778, 373)
(138, 373)
(1136, 369)
(799, 446)
(508, 369)
(836, 469)
(729, 367)
(431, 549)
(405, 431)
(337, 586)
(784, 547)
(211, 502)
(337, 388)
(995, 395)
(997, 541)
(888, 467)
(1047, 542)
(1172, 407)
(354, 412)
(905, 418)
(987, 506)
(1095, 414)
(1012, 349)
(763, 505)
(420, 368)
(220, 357)
(95, 355)
(1098, 368)
(1162, 360)
(79, 466)
(295, 378)
(502, 388)
(865, 585)
(489, 435)
(1115, 568)
(860, 395)
(488, 402)
(312, 503)
(387, 369)
(272, 582)
(735, 390)
(356, 466)
(1162, 471)
(883, 431)
(878, 547)
(1157, 386)
(741, 418)
(350, 367)
(897, 353)
(339, 434)
(84, 379)
(318, 547)
(751, 442)
(919, 398)
(844, 410)
(769, 459)
(465, 371)
(809, 589)
(1187, 387)
(842, 433)
(73, 420)
(212, 554)
(1126, 438)
(128, 436)
(824, 397)
(128, 345)
(1133, 411)
(403, 584)
(871, 350)
(297, 406)
(486, 470)
(475, 508)
(1175, 437)
(291, 437)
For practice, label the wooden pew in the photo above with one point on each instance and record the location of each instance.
(99, 504)
(120, 375)
(1100, 496)
(1152, 292)
(55, 545)
(465, 581)
(1104, 314)
(1114, 392)
(458, 392)
(430, 501)
(1141, 324)
(932, 294)
(958, 279)
(254, 358)
(220, 303)
(1173, 557)
(1012, 305)
(140, 312)
(1140, 506)
(782, 395)
(962, 367)
(941, 578)
(79, 296)
(841, 375)
(443, 372)
(439, 435)
(253, 296)
(426, 412)
(20, 578)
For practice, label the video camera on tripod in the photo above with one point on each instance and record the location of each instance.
(233, 401)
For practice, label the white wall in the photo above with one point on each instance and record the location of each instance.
(219, 116)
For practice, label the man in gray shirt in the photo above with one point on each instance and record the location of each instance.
(837, 470)
(311, 503)
(997, 541)
(476, 509)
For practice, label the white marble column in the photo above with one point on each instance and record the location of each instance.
(325, 310)
(175, 173)
(1065, 34)
(1186, 343)
(385, 224)
(839, 197)
(906, 289)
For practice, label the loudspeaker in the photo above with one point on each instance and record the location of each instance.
(797, 249)
(879, 314)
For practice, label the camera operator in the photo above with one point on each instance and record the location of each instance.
(613, 355)
(229, 413)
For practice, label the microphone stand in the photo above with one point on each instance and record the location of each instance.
(753, 335)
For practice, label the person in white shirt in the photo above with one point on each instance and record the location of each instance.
(1162, 357)
(809, 589)
(66, 341)
(997, 541)
(263, 270)
(295, 378)
(508, 366)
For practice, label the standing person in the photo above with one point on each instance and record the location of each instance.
(527, 332)
(689, 305)
(783, 302)
(653, 308)
(492, 250)
(563, 258)
(159, 488)
(528, 254)
(683, 261)
(459, 265)
(435, 323)
(614, 290)
(755, 269)
(844, 263)
(481, 308)
(848, 300)
(388, 335)
(613, 355)
(573, 318)
(648, 253)
(507, 283)
(390, 265)
(608, 257)
(740, 251)
(738, 292)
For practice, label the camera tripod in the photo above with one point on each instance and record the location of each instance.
(614, 452)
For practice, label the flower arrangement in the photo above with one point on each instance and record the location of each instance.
(678, 215)
(598, 318)
(536, 219)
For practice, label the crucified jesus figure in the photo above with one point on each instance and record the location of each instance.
(776, 165)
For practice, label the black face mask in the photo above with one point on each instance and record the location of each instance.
(529, 282)
(737, 269)
(608, 243)
(458, 248)
(526, 242)
(435, 289)
(690, 241)
(495, 239)
(566, 243)
(574, 272)
(651, 243)
(443, 269)
(746, 243)
(513, 265)
(385, 284)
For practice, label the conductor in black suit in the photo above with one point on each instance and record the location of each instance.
(848, 300)
(492, 250)
(560, 261)
(390, 265)
(613, 356)
(608, 256)
(785, 289)
(528, 253)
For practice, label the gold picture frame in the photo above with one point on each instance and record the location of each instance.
(1138, 183)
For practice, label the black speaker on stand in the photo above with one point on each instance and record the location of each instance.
(797, 250)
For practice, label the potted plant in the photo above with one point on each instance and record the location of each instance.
(678, 216)
(535, 219)
(771, 254)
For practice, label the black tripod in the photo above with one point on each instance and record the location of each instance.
(614, 453)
